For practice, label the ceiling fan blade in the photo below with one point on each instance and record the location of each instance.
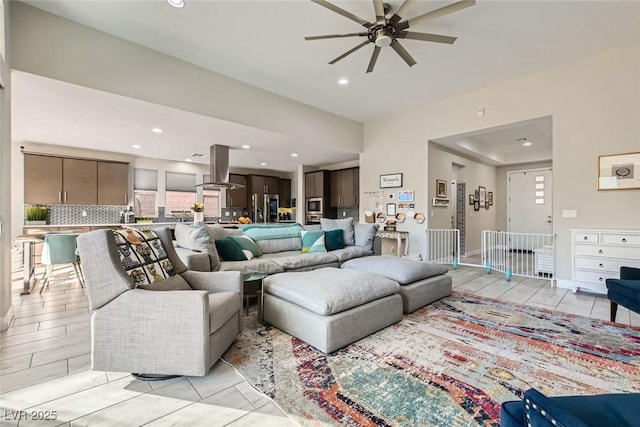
(378, 7)
(335, 36)
(426, 37)
(374, 58)
(398, 14)
(453, 7)
(349, 52)
(343, 12)
(403, 53)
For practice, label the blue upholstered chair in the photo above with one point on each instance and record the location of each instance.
(624, 291)
(537, 410)
(60, 249)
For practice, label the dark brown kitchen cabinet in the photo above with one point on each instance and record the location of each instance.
(261, 184)
(284, 192)
(237, 198)
(316, 184)
(345, 188)
(113, 183)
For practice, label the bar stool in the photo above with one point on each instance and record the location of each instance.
(60, 249)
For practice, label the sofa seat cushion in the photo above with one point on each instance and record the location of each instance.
(350, 252)
(222, 307)
(294, 262)
(327, 291)
(402, 270)
(261, 264)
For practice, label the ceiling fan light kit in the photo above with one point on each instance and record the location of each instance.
(389, 27)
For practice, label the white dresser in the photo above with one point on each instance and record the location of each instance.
(597, 255)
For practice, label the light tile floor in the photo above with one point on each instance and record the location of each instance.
(45, 362)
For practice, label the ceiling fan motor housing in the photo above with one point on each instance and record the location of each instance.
(382, 35)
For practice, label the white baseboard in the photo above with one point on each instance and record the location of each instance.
(5, 321)
(569, 284)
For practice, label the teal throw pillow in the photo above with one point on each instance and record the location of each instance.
(229, 250)
(313, 241)
(334, 239)
(248, 246)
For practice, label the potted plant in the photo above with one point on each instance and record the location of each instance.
(36, 215)
(198, 212)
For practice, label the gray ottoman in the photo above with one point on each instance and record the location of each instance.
(421, 282)
(330, 308)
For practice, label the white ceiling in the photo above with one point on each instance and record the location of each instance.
(262, 43)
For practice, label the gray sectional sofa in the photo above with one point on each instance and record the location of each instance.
(196, 246)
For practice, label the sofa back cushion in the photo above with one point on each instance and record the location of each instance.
(198, 238)
(275, 238)
(345, 224)
(365, 234)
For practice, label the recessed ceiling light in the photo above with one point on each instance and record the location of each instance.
(343, 81)
(176, 3)
(188, 160)
(294, 154)
(527, 144)
(136, 146)
(197, 155)
(246, 147)
(156, 130)
(263, 164)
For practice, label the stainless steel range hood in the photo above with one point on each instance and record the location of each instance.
(219, 169)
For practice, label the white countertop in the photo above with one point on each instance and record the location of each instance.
(115, 224)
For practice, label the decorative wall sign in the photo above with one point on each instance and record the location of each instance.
(393, 180)
(440, 202)
(619, 171)
(441, 188)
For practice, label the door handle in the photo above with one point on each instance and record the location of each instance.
(65, 196)
(126, 198)
(59, 196)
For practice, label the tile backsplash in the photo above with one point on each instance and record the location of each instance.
(83, 214)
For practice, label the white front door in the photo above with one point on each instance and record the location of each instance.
(529, 202)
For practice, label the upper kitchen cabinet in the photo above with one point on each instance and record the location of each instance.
(113, 183)
(284, 192)
(42, 179)
(53, 180)
(345, 188)
(79, 182)
(237, 198)
(316, 184)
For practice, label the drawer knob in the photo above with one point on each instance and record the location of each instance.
(624, 240)
(600, 279)
(600, 251)
(586, 238)
(600, 265)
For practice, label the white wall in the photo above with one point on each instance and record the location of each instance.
(47, 45)
(595, 105)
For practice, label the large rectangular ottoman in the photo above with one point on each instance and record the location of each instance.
(330, 308)
(421, 282)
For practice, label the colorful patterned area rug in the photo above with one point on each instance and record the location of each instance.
(450, 364)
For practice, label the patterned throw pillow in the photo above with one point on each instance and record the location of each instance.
(143, 256)
(229, 250)
(334, 239)
(313, 241)
(248, 246)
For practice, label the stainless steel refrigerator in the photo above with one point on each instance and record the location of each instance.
(265, 210)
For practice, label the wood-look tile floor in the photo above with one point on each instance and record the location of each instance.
(45, 362)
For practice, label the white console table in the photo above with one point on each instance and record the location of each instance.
(394, 242)
(597, 255)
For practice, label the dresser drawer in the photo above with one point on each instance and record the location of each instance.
(604, 264)
(595, 276)
(586, 237)
(621, 239)
(607, 251)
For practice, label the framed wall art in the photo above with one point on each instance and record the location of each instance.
(476, 205)
(441, 189)
(391, 209)
(490, 197)
(406, 196)
(482, 191)
(393, 180)
(619, 171)
(471, 199)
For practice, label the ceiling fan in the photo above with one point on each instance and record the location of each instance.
(389, 27)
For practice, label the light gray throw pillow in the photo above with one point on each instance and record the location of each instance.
(365, 235)
(198, 238)
(345, 224)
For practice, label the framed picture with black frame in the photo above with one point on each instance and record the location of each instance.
(476, 205)
(471, 199)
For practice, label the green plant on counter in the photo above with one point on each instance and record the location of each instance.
(143, 219)
(36, 213)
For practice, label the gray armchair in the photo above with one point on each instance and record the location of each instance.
(157, 332)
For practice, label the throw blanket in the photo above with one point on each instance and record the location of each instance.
(270, 232)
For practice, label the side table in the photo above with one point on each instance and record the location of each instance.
(394, 242)
(252, 287)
